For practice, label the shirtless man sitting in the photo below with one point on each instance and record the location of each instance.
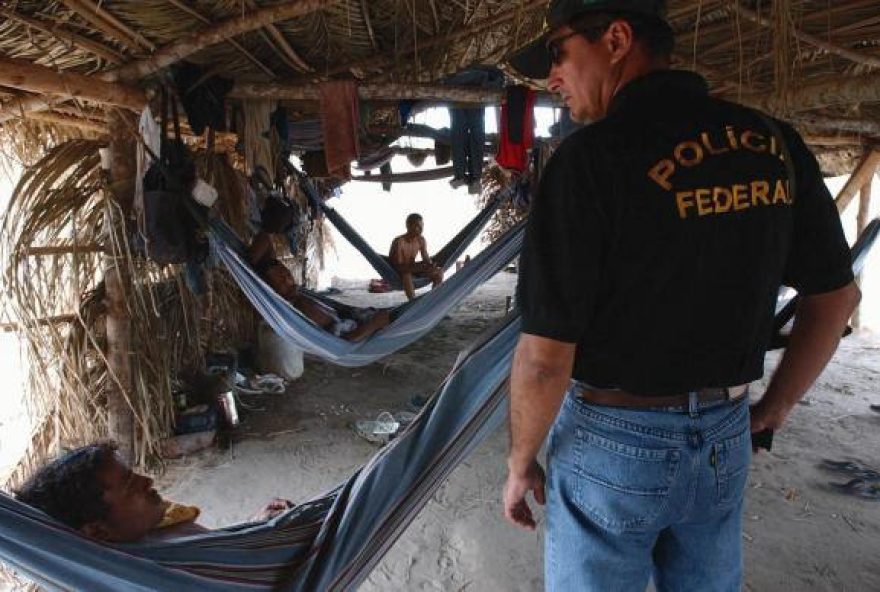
(92, 490)
(354, 325)
(403, 253)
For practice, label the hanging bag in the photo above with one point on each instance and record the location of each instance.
(172, 233)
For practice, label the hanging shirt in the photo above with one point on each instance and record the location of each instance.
(517, 129)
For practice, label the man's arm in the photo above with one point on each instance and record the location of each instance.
(423, 247)
(818, 324)
(540, 376)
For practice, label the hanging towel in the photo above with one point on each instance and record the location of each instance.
(517, 128)
(340, 118)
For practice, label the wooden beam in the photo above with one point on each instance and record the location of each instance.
(374, 92)
(411, 177)
(120, 417)
(63, 250)
(87, 125)
(280, 44)
(861, 223)
(84, 43)
(473, 29)
(178, 50)
(107, 24)
(862, 173)
(848, 54)
(31, 77)
(44, 322)
(857, 126)
(834, 90)
(250, 57)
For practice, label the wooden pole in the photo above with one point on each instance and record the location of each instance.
(375, 92)
(861, 175)
(834, 90)
(178, 50)
(30, 77)
(122, 172)
(853, 56)
(861, 222)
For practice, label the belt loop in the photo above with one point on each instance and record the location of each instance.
(693, 404)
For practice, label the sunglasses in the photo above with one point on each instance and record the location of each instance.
(554, 46)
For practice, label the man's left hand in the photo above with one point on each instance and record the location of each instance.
(764, 417)
(516, 509)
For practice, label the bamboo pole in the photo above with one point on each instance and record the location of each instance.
(861, 175)
(861, 223)
(178, 50)
(27, 76)
(122, 168)
(412, 177)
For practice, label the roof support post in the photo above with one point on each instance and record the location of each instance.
(118, 200)
(861, 175)
(861, 222)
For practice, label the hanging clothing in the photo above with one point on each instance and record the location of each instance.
(203, 99)
(340, 118)
(468, 142)
(151, 136)
(517, 128)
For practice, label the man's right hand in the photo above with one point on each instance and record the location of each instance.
(516, 509)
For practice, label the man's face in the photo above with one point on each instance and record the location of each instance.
(583, 75)
(281, 280)
(135, 508)
(415, 226)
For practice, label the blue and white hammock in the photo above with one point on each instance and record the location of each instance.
(445, 257)
(411, 320)
(329, 543)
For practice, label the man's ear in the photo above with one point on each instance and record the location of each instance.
(97, 530)
(619, 39)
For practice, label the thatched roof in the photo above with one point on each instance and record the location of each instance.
(813, 61)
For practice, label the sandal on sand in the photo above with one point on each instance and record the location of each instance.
(379, 430)
(874, 408)
(852, 468)
(859, 488)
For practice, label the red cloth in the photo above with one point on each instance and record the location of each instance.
(514, 155)
(340, 120)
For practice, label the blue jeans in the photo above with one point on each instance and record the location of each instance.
(636, 493)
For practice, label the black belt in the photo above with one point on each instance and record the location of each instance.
(620, 398)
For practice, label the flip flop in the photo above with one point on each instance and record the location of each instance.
(852, 468)
(875, 408)
(379, 430)
(859, 488)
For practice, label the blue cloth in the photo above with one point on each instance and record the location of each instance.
(468, 142)
(329, 543)
(414, 320)
(631, 492)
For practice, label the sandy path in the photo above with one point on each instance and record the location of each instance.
(799, 534)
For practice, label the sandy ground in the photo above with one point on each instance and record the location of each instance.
(799, 534)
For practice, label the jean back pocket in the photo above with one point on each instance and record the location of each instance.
(620, 486)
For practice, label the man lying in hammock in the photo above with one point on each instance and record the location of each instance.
(92, 490)
(352, 324)
(403, 253)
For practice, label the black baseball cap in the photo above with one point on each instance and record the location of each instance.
(533, 60)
